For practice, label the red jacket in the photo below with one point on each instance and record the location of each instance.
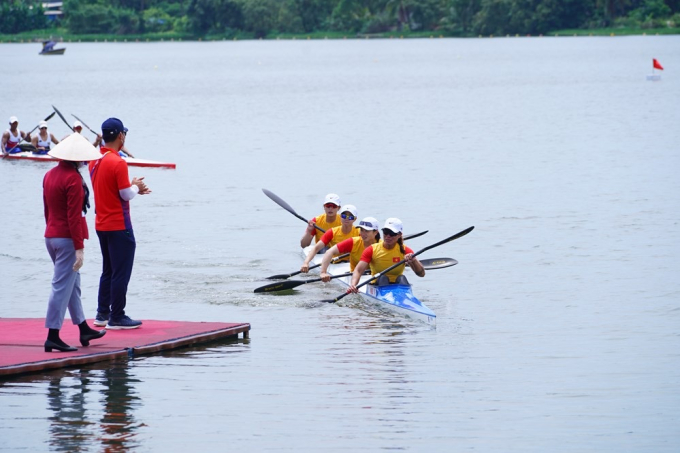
(63, 199)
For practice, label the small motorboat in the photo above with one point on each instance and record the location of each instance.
(48, 49)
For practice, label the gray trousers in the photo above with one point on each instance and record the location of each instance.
(65, 284)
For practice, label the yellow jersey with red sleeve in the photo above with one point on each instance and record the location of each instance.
(325, 224)
(336, 236)
(379, 258)
(355, 247)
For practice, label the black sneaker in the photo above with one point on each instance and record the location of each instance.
(100, 320)
(123, 323)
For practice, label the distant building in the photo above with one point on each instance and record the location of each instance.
(53, 10)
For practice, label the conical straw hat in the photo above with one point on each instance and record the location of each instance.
(75, 148)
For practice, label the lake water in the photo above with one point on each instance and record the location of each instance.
(559, 329)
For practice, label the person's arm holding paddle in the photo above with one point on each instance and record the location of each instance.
(309, 233)
(330, 219)
(326, 261)
(356, 275)
(3, 145)
(413, 263)
(127, 153)
(325, 239)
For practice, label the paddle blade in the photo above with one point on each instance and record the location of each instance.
(413, 236)
(275, 198)
(438, 263)
(62, 117)
(279, 286)
(280, 276)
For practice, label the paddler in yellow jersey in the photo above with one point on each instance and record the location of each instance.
(384, 254)
(369, 234)
(346, 230)
(325, 221)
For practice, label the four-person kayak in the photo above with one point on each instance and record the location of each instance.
(396, 297)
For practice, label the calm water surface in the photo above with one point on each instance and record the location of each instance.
(558, 330)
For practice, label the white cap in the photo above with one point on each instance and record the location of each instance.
(42, 124)
(77, 124)
(332, 198)
(349, 208)
(393, 224)
(369, 224)
(13, 119)
(75, 148)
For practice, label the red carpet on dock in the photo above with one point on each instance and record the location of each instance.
(22, 342)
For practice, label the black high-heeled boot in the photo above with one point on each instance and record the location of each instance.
(87, 333)
(54, 342)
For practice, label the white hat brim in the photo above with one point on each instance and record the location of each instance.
(75, 148)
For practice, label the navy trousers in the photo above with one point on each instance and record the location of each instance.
(118, 253)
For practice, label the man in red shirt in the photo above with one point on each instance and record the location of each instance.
(112, 194)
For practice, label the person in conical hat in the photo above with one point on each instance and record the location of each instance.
(43, 139)
(66, 200)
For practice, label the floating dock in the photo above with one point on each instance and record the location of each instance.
(22, 342)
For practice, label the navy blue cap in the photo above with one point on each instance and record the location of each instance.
(111, 128)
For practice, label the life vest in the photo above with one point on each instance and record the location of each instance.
(321, 222)
(44, 143)
(383, 258)
(339, 236)
(355, 247)
(13, 140)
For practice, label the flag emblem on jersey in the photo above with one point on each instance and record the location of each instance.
(395, 259)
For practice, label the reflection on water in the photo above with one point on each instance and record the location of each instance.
(118, 425)
(93, 406)
(98, 407)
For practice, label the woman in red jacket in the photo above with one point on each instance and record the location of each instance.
(66, 199)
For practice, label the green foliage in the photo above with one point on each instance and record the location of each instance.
(649, 10)
(157, 20)
(214, 16)
(99, 18)
(289, 20)
(17, 16)
(423, 14)
(262, 18)
(348, 15)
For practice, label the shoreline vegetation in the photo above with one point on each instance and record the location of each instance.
(62, 36)
(222, 20)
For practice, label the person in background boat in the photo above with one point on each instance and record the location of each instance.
(125, 153)
(48, 46)
(112, 194)
(43, 139)
(384, 254)
(13, 136)
(335, 235)
(326, 221)
(65, 200)
(78, 127)
(369, 234)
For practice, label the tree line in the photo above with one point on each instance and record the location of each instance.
(260, 18)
